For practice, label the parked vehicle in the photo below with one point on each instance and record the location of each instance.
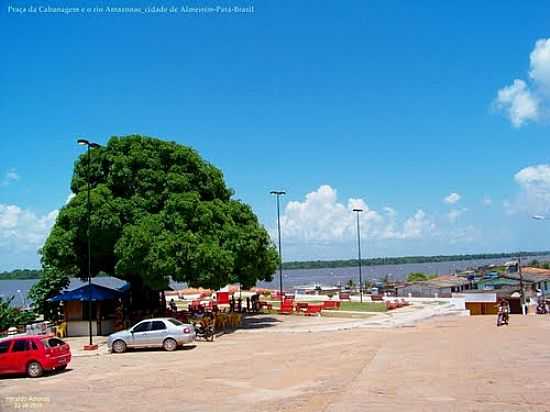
(204, 328)
(33, 355)
(167, 333)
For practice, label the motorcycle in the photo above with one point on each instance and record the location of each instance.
(204, 329)
(502, 318)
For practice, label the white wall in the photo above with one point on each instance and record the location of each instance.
(81, 328)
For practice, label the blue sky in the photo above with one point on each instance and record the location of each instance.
(393, 104)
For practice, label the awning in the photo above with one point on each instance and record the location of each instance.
(87, 293)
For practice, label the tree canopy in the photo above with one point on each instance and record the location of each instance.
(418, 277)
(11, 316)
(158, 211)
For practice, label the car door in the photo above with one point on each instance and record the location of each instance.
(140, 334)
(158, 333)
(20, 354)
(5, 357)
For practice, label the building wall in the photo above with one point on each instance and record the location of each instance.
(81, 328)
(482, 308)
(419, 291)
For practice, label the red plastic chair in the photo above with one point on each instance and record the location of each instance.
(286, 308)
(313, 310)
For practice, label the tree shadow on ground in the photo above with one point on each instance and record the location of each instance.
(250, 322)
(259, 322)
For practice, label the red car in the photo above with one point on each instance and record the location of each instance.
(33, 354)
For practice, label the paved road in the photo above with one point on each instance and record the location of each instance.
(450, 364)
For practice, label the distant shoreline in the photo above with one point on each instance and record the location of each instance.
(22, 274)
(323, 264)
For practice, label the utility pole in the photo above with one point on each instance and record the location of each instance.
(522, 293)
(277, 194)
(357, 212)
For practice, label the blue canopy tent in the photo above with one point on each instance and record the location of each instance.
(88, 293)
(104, 308)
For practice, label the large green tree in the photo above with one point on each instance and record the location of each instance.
(11, 316)
(158, 211)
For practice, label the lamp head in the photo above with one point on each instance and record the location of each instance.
(358, 210)
(83, 142)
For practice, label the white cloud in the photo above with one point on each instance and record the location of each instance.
(534, 182)
(322, 218)
(452, 198)
(540, 64)
(23, 230)
(522, 102)
(10, 177)
(417, 226)
(518, 102)
(69, 198)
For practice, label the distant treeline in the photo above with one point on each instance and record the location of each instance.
(21, 274)
(319, 264)
(28, 274)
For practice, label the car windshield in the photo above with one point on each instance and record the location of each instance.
(175, 322)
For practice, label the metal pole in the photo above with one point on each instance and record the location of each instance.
(521, 295)
(280, 248)
(278, 193)
(357, 211)
(89, 254)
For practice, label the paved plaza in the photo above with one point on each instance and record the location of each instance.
(447, 363)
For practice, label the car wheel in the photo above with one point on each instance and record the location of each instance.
(169, 344)
(119, 346)
(34, 369)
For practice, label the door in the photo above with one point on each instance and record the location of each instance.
(5, 357)
(141, 334)
(158, 332)
(20, 354)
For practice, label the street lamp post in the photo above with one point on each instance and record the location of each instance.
(277, 194)
(89, 145)
(522, 293)
(357, 212)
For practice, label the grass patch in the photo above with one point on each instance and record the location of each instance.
(363, 307)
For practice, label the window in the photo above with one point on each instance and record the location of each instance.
(52, 342)
(158, 325)
(143, 327)
(4, 346)
(20, 346)
(33, 345)
(175, 322)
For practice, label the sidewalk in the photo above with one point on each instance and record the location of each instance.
(77, 346)
(405, 317)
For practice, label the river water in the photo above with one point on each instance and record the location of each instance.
(297, 277)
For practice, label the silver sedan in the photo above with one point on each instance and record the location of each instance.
(167, 333)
